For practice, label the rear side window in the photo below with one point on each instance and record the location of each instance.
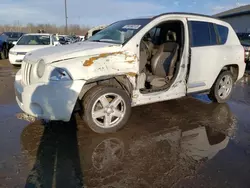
(200, 34)
(223, 33)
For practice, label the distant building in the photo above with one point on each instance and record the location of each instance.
(238, 17)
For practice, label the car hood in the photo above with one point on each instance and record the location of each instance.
(63, 52)
(28, 48)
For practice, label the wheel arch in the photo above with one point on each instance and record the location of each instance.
(233, 68)
(121, 81)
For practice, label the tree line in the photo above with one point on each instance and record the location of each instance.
(49, 28)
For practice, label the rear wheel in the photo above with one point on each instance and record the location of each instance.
(222, 88)
(106, 109)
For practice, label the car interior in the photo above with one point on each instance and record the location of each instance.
(160, 55)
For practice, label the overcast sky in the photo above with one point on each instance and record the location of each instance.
(95, 12)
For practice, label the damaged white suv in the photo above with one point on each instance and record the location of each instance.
(130, 63)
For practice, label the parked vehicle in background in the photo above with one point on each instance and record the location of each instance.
(69, 39)
(75, 38)
(245, 42)
(28, 43)
(82, 38)
(130, 63)
(13, 36)
(4, 46)
(94, 30)
(62, 40)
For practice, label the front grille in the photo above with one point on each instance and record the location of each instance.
(21, 53)
(26, 69)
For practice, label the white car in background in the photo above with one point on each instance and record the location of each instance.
(28, 43)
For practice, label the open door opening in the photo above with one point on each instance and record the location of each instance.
(160, 56)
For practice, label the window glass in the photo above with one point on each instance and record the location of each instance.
(120, 32)
(212, 35)
(223, 33)
(34, 40)
(200, 33)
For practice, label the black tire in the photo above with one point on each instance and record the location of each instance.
(214, 93)
(89, 101)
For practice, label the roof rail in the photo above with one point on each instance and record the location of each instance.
(186, 13)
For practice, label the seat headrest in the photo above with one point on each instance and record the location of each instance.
(171, 36)
(170, 46)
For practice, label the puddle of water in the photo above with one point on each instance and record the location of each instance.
(202, 98)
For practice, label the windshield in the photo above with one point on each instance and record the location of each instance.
(34, 40)
(244, 38)
(120, 32)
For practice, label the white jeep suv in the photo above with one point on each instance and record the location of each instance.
(131, 62)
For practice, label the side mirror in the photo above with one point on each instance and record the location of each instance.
(14, 43)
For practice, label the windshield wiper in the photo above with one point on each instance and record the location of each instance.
(106, 40)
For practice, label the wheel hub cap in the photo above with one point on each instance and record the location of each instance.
(225, 86)
(108, 110)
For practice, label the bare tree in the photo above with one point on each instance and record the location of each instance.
(50, 28)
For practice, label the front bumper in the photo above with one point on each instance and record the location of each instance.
(16, 59)
(52, 101)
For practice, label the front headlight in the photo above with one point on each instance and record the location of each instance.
(60, 74)
(40, 68)
(13, 53)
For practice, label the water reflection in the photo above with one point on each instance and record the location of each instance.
(57, 160)
(169, 143)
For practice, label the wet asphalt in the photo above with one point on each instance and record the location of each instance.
(189, 142)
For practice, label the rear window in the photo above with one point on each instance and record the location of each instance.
(223, 33)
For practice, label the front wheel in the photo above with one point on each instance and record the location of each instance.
(222, 88)
(106, 109)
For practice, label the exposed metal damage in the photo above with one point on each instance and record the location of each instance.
(127, 58)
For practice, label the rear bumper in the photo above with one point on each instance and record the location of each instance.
(51, 101)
